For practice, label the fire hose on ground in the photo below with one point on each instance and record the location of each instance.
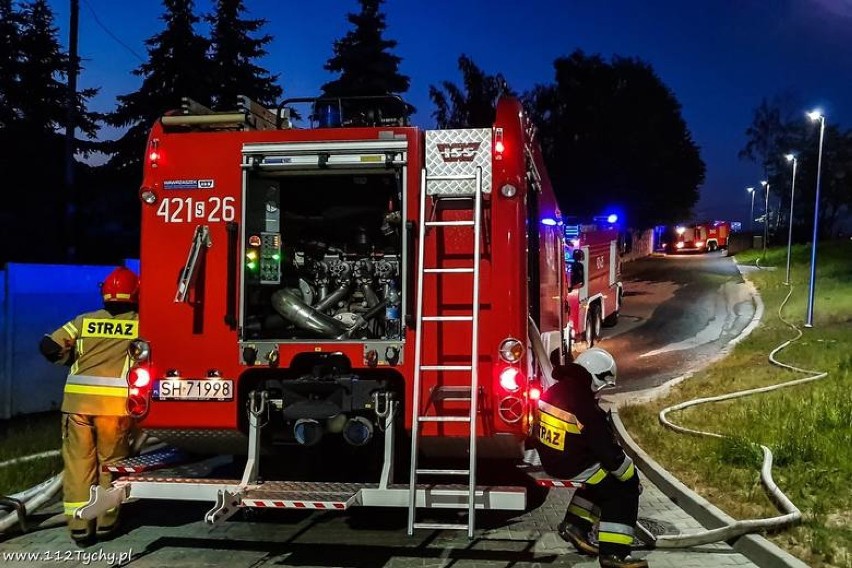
(30, 500)
(790, 513)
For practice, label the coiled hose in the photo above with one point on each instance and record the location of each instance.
(33, 498)
(791, 513)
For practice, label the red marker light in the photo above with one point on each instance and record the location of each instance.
(499, 147)
(154, 156)
(535, 393)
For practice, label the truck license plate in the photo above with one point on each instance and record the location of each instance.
(194, 389)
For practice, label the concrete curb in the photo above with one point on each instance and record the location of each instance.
(754, 547)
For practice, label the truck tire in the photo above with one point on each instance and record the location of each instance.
(593, 325)
(612, 319)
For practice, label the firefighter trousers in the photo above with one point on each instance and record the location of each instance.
(89, 442)
(613, 506)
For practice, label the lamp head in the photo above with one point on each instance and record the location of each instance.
(815, 114)
(790, 157)
(764, 183)
(750, 189)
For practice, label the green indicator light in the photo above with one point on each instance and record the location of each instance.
(276, 256)
(251, 265)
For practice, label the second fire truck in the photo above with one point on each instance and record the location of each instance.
(595, 289)
(361, 289)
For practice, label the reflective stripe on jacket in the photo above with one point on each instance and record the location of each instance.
(97, 382)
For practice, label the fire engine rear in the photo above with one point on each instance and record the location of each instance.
(336, 290)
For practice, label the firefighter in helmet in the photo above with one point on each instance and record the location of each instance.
(576, 441)
(95, 424)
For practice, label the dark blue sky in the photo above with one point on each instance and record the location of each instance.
(720, 57)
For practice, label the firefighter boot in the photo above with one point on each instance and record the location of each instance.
(80, 529)
(577, 537)
(108, 523)
(612, 561)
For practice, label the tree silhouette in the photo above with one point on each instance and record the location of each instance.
(769, 136)
(233, 53)
(364, 63)
(43, 67)
(613, 137)
(34, 92)
(474, 104)
(177, 67)
(10, 62)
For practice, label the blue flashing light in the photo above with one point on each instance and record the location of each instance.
(613, 218)
(549, 222)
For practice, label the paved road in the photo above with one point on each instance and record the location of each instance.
(677, 311)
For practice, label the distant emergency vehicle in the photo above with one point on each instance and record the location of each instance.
(707, 236)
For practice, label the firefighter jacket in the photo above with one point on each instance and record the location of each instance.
(573, 435)
(97, 343)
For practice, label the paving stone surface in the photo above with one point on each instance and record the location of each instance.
(159, 534)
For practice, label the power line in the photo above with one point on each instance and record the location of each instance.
(110, 34)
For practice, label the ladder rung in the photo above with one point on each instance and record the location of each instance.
(449, 223)
(443, 472)
(450, 178)
(443, 418)
(446, 368)
(441, 526)
(447, 270)
(447, 318)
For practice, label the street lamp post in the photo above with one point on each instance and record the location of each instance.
(791, 158)
(765, 184)
(751, 218)
(809, 321)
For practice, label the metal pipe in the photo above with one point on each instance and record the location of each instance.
(790, 229)
(809, 321)
(286, 303)
(330, 300)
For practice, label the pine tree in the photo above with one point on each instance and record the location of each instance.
(233, 52)
(362, 59)
(177, 67)
(10, 62)
(43, 67)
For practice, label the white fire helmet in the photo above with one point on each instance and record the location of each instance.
(601, 365)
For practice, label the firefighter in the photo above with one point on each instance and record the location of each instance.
(576, 441)
(95, 425)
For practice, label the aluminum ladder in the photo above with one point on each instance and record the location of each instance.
(468, 393)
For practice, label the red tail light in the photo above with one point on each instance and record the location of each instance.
(139, 377)
(137, 405)
(510, 379)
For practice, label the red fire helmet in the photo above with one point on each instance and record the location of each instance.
(121, 285)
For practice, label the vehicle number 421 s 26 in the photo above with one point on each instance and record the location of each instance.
(188, 209)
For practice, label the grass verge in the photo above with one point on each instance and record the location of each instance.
(25, 435)
(807, 427)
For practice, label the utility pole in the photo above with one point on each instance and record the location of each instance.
(71, 118)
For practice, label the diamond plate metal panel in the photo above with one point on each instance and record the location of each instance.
(458, 153)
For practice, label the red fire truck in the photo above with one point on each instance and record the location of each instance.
(595, 289)
(339, 289)
(706, 236)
